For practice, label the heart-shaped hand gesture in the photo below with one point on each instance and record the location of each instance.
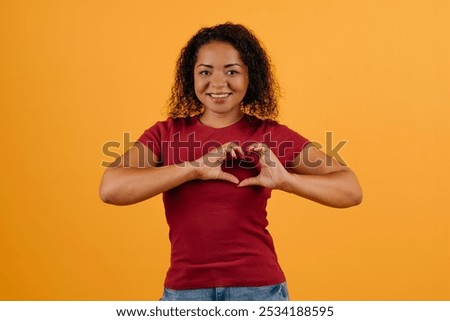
(273, 174)
(209, 165)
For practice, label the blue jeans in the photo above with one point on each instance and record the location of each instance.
(277, 292)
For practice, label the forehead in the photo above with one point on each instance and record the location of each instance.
(218, 51)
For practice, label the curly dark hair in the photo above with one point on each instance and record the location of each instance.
(261, 98)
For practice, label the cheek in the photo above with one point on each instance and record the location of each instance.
(240, 84)
(200, 85)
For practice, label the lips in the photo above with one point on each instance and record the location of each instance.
(219, 97)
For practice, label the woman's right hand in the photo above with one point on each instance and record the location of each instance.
(209, 166)
(136, 176)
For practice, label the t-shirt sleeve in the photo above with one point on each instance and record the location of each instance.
(153, 137)
(285, 143)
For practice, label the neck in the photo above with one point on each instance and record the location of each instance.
(216, 120)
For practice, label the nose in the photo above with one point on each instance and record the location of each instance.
(218, 80)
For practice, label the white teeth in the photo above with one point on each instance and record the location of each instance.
(219, 95)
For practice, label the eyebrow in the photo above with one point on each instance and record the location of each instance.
(226, 66)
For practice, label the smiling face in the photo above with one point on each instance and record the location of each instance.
(220, 79)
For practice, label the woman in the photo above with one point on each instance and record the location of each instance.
(216, 160)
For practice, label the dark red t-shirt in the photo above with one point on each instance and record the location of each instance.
(218, 231)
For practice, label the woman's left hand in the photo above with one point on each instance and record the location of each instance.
(273, 174)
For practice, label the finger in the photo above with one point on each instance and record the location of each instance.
(232, 147)
(250, 181)
(218, 162)
(228, 177)
(233, 153)
(256, 147)
(213, 159)
(251, 149)
(239, 150)
(265, 154)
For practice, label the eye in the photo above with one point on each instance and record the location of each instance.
(232, 72)
(204, 73)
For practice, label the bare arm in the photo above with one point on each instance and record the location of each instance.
(135, 176)
(322, 179)
(315, 176)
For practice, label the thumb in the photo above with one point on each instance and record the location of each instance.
(228, 177)
(250, 181)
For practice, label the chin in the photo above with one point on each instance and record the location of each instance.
(219, 110)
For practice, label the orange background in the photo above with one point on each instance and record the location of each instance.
(77, 74)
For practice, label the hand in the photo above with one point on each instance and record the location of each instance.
(209, 165)
(273, 174)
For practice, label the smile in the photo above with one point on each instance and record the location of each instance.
(219, 96)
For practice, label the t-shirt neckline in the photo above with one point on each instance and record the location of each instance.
(236, 124)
